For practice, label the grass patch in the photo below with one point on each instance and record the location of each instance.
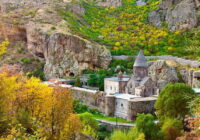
(80, 108)
(111, 119)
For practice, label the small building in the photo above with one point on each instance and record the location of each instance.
(127, 96)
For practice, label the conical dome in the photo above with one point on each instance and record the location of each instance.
(140, 60)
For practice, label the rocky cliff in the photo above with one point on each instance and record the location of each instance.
(48, 37)
(163, 73)
(178, 14)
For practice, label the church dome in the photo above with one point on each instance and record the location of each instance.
(140, 60)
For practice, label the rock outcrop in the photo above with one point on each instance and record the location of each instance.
(110, 3)
(49, 38)
(65, 54)
(191, 77)
(162, 73)
(80, 136)
(178, 14)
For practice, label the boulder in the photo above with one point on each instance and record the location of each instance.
(109, 3)
(162, 73)
(140, 3)
(154, 18)
(80, 136)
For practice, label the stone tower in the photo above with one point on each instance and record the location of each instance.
(140, 67)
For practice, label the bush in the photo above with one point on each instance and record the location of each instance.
(79, 108)
(172, 129)
(127, 64)
(39, 73)
(78, 82)
(26, 60)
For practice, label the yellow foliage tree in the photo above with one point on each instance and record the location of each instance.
(61, 108)
(3, 46)
(72, 126)
(8, 87)
(34, 98)
(49, 111)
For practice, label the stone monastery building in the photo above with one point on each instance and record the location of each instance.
(126, 96)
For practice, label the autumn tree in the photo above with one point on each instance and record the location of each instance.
(40, 111)
(34, 97)
(3, 46)
(172, 129)
(72, 126)
(193, 122)
(61, 108)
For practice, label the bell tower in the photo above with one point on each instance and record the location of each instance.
(140, 67)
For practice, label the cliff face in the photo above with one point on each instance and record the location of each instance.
(178, 14)
(48, 37)
(65, 54)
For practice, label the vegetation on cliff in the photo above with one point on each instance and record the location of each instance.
(126, 28)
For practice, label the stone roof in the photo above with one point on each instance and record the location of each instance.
(125, 96)
(117, 79)
(143, 99)
(144, 80)
(196, 90)
(140, 60)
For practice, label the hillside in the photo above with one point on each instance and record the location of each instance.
(152, 26)
(67, 35)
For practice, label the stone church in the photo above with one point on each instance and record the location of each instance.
(128, 95)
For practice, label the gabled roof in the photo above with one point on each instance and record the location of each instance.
(144, 80)
(140, 60)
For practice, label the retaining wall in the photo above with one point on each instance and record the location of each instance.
(184, 62)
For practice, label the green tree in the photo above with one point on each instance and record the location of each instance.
(118, 135)
(78, 82)
(145, 124)
(172, 129)
(92, 80)
(173, 101)
(132, 134)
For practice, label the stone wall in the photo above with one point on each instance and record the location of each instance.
(111, 87)
(183, 62)
(128, 108)
(109, 105)
(121, 108)
(92, 98)
(141, 105)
